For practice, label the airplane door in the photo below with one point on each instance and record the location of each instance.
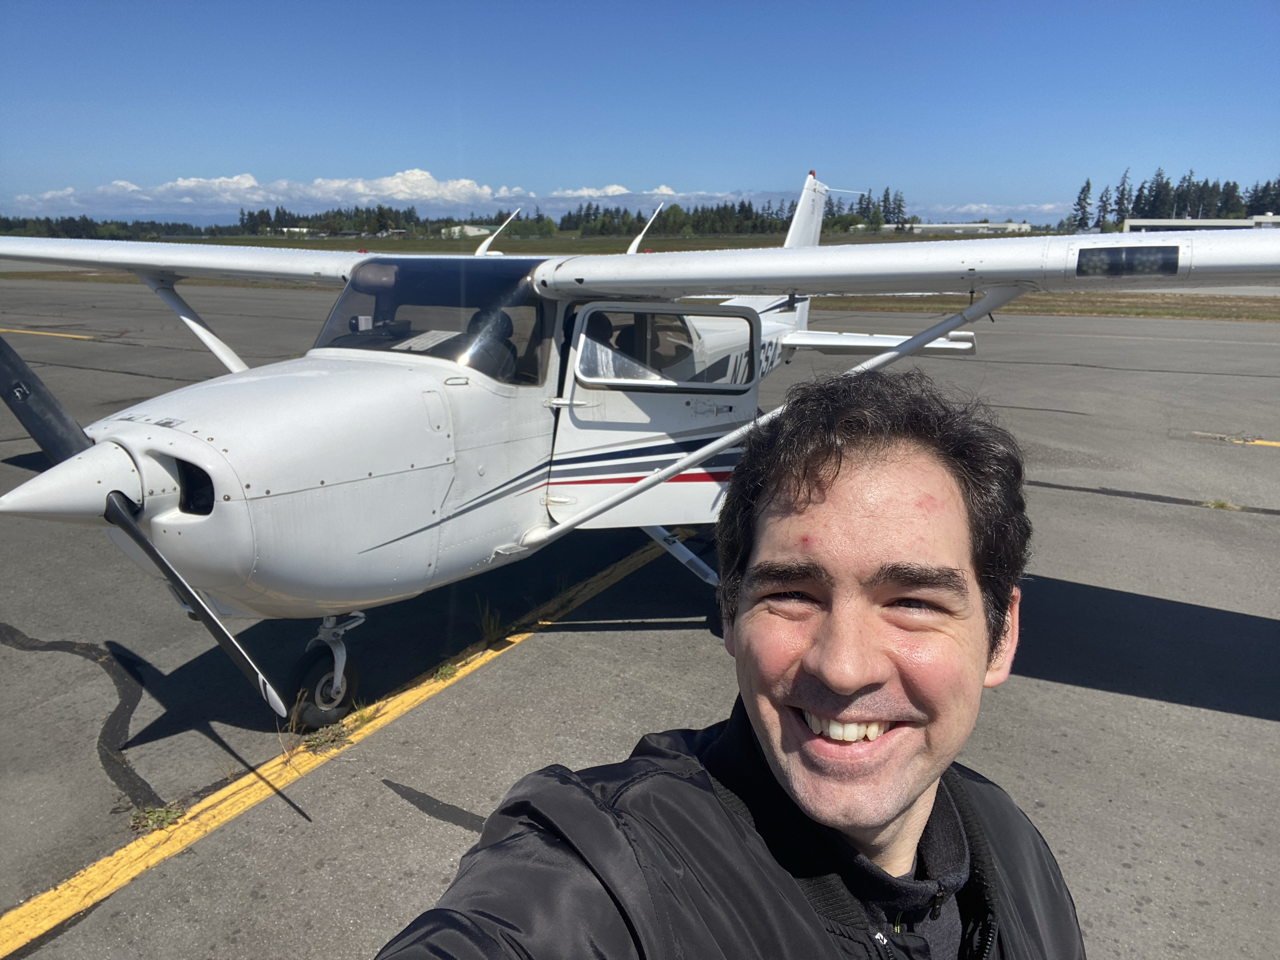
(647, 384)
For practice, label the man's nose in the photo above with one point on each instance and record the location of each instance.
(847, 654)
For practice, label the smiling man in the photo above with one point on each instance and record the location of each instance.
(871, 545)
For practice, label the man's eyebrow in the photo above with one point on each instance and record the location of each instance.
(782, 572)
(920, 575)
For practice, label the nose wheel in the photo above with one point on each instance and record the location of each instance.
(325, 680)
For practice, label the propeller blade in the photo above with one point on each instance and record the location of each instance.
(119, 512)
(38, 410)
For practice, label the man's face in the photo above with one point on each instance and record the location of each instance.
(863, 608)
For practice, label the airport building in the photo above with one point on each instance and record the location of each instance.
(465, 230)
(948, 228)
(1248, 223)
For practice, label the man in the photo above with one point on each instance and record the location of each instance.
(871, 543)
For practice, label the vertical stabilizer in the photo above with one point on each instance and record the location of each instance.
(806, 225)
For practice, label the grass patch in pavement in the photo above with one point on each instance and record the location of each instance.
(150, 819)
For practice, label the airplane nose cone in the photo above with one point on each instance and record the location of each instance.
(75, 491)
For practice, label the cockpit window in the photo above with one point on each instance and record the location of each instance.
(480, 312)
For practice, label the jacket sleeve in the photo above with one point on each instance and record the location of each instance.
(527, 896)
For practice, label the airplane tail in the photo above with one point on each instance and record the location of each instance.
(806, 225)
(805, 231)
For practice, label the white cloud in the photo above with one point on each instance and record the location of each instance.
(222, 195)
(999, 209)
(219, 199)
(121, 188)
(613, 190)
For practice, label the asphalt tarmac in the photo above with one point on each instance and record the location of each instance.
(1140, 730)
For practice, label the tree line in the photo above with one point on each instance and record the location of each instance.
(589, 220)
(592, 220)
(1159, 198)
(84, 228)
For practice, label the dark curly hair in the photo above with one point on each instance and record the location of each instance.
(792, 458)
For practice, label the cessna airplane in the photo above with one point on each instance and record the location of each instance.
(461, 412)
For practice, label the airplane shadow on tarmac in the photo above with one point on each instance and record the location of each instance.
(396, 643)
(1071, 633)
(1144, 647)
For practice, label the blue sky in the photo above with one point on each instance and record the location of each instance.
(189, 110)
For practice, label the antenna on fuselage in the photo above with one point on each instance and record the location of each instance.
(640, 236)
(484, 244)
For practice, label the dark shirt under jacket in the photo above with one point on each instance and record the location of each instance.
(918, 914)
(660, 857)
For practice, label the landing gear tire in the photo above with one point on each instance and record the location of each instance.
(316, 704)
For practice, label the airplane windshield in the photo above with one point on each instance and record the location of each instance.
(480, 312)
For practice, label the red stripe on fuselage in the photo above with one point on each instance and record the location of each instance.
(699, 477)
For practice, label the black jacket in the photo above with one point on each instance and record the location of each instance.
(657, 858)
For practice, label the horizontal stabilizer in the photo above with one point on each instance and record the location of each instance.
(959, 343)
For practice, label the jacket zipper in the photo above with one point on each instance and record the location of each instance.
(885, 948)
(991, 940)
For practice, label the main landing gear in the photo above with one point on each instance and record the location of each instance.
(325, 680)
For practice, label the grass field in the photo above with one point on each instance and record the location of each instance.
(1190, 306)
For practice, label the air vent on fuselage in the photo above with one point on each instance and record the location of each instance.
(196, 489)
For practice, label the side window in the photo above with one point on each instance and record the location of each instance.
(508, 345)
(665, 348)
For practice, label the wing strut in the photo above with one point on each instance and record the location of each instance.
(671, 543)
(635, 244)
(163, 288)
(993, 300)
(484, 244)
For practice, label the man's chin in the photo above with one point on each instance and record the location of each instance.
(855, 809)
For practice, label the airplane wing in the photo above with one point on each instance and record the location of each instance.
(1178, 260)
(178, 261)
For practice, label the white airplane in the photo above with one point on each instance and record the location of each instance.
(458, 413)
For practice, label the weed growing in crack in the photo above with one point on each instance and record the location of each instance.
(328, 738)
(446, 671)
(490, 622)
(149, 819)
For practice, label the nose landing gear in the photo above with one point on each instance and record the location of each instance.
(325, 680)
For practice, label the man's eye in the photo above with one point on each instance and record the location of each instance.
(788, 595)
(914, 603)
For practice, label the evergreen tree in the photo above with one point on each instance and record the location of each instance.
(1124, 198)
(1231, 205)
(1104, 208)
(1160, 196)
(1185, 197)
(1263, 198)
(1080, 212)
(1140, 205)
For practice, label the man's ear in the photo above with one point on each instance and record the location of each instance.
(1001, 662)
(728, 639)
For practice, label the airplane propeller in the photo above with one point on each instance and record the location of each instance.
(61, 438)
(38, 410)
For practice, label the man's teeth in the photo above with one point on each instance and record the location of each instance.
(851, 732)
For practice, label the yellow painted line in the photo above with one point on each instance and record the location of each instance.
(44, 333)
(98, 881)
